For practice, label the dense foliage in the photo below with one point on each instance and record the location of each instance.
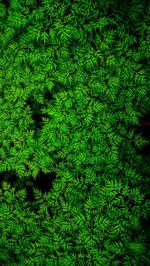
(74, 86)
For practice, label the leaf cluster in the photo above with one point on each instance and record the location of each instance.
(74, 83)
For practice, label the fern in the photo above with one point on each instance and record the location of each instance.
(73, 84)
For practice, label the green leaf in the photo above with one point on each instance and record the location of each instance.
(137, 248)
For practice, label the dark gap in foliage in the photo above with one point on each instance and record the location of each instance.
(6, 3)
(71, 2)
(2, 94)
(38, 3)
(22, 85)
(17, 34)
(134, 46)
(36, 113)
(38, 120)
(144, 130)
(44, 181)
(145, 225)
(91, 38)
(9, 177)
(68, 10)
(145, 64)
(145, 150)
(59, 87)
(27, 49)
(93, 45)
(145, 187)
(2, 178)
(74, 42)
(123, 5)
(14, 257)
(71, 48)
(28, 186)
(86, 21)
(11, 144)
(48, 96)
(37, 44)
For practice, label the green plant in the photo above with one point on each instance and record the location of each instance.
(74, 83)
